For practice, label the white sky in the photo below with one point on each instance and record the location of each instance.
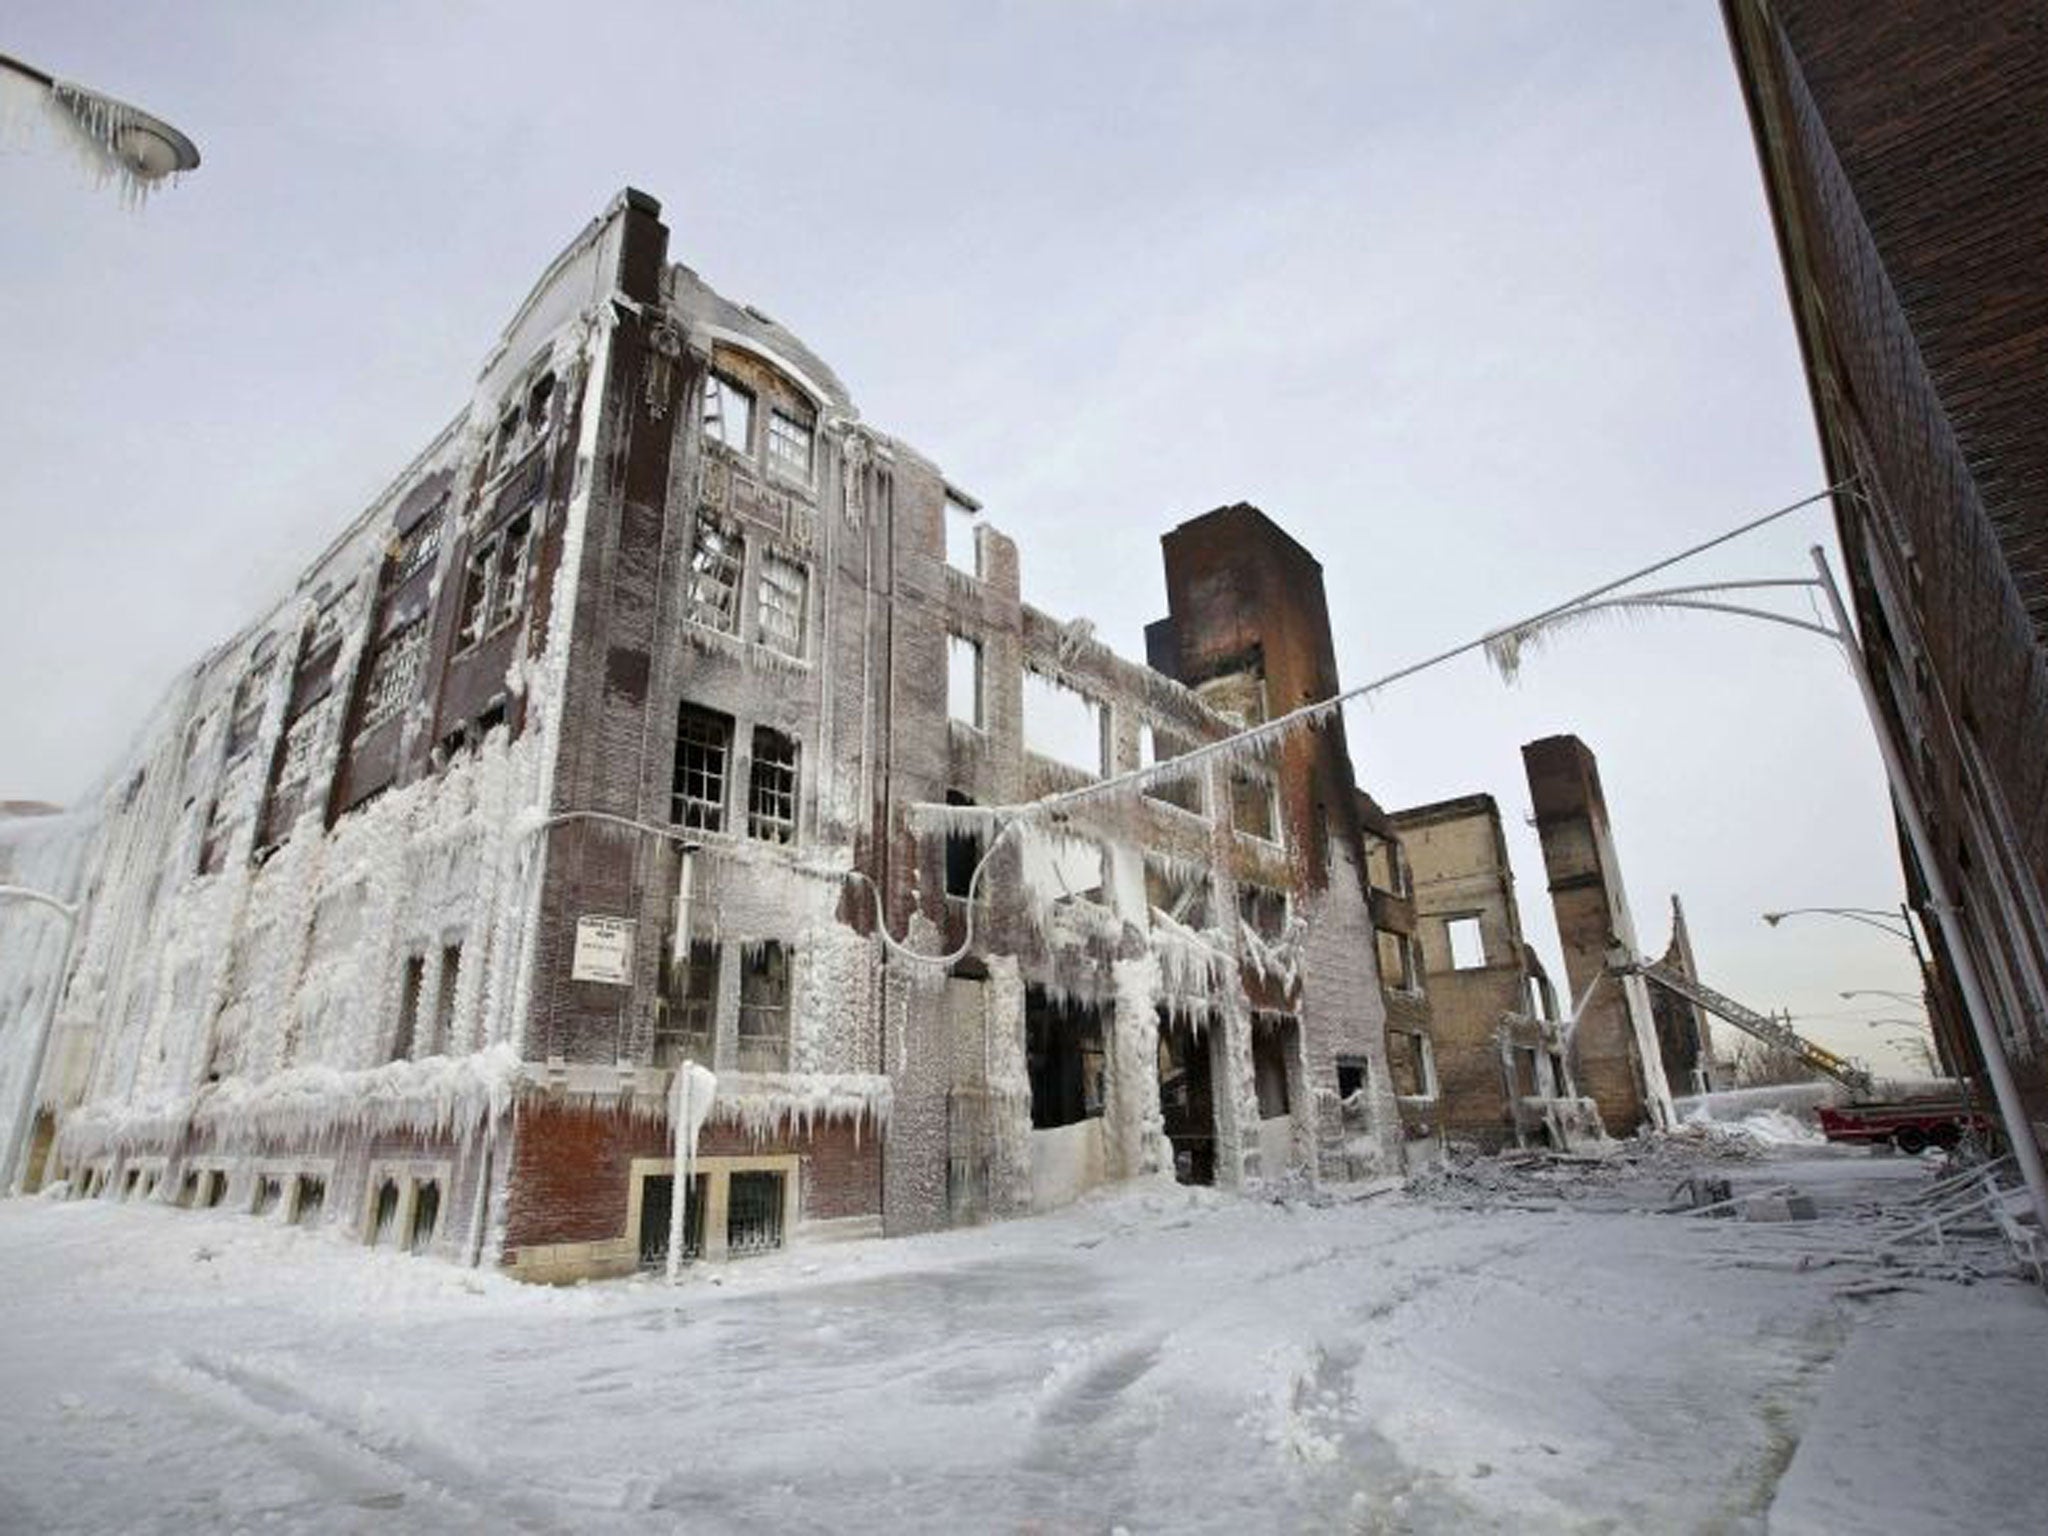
(1480, 302)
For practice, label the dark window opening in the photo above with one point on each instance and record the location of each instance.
(688, 1008)
(753, 1219)
(1352, 1076)
(657, 1215)
(703, 763)
(1408, 1063)
(269, 1195)
(426, 1216)
(1263, 910)
(764, 1008)
(1273, 1037)
(771, 788)
(1187, 1103)
(408, 1007)
(1063, 1050)
(963, 853)
(385, 1214)
(307, 1199)
(444, 1000)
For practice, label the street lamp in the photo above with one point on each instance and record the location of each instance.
(24, 1117)
(1894, 923)
(1916, 999)
(111, 138)
(1506, 646)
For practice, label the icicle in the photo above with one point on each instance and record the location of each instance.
(690, 1106)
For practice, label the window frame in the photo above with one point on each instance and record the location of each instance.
(718, 557)
(769, 959)
(796, 427)
(719, 390)
(773, 807)
(788, 633)
(699, 812)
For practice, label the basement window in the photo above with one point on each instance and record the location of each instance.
(1063, 1050)
(754, 1209)
(779, 613)
(384, 1215)
(1064, 724)
(703, 763)
(689, 1006)
(789, 444)
(394, 674)
(268, 1197)
(764, 1008)
(728, 413)
(426, 1215)
(1467, 943)
(717, 559)
(964, 698)
(771, 790)
(308, 1196)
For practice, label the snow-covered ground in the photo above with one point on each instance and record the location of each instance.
(1521, 1352)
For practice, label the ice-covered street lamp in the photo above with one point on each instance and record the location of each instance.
(113, 140)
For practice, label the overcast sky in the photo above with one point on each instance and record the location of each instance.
(1479, 301)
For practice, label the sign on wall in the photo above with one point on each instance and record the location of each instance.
(604, 950)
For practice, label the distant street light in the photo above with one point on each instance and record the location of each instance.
(25, 1112)
(1505, 648)
(1897, 924)
(1917, 999)
(111, 138)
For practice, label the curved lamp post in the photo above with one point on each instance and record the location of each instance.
(25, 1109)
(1916, 999)
(1505, 649)
(138, 149)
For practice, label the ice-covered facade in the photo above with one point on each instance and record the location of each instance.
(663, 713)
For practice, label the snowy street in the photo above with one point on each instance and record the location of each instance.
(1157, 1360)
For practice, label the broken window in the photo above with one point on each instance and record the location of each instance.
(409, 988)
(414, 550)
(717, 558)
(394, 674)
(537, 399)
(268, 1196)
(1181, 891)
(1064, 724)
(963, 854)
(963, 681)
(771, 790)
(1254, 804)
(1273, 1037)
(753, 1221)
(789, 443)
(1467, 943)
(426, 1215)
(506, 439)
(703, 762)
(1060, 869)
(962, 549)
(1263, 910)
(1409, 1063)
(728, 413)
(444, 1000)
(779, 612)
(213, 1189)
(308, 1196)
(474, 613)
(384, 1214)
(1155, 747)
(1063, 1050)
(508, 587)
(1398, 971)
(689, 1008)
(764, 1008)
(1353, 1073)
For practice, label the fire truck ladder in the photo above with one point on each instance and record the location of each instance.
(1765, 1028)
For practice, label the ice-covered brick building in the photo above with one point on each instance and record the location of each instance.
(663, 712)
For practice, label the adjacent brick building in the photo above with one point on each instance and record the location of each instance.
(664, 712)
(1904, 149)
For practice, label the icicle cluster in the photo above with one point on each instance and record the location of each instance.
(770, 1105)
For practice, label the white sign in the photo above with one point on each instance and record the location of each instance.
(604, 950)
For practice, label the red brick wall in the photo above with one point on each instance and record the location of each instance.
(572, 1169)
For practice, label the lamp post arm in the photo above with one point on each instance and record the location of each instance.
(2019, 1130)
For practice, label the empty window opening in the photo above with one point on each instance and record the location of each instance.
(1263, 909)
(394, 674)
(703, 762)
(1254, 804)
(1155, 747)
(1180, 892)
(307, 1199)
(764, 1008)
(657, 1215)
(188, 1191)
(444, 1000)
(213, 1189)
(1064, 724)
(476, 596)
(718, 557)
(779, 614)
(1559, 1083)
(1397, 962)
(1523, 1064)
(728, 413)
(1063, 1050)
(131, 1183)
(1062, 869)
(537, 399)
(512, 566)
(409, 988)
(1273, 1046)
(1409, 1064)
(384, 1214)
(689, 1006)
(963, 853)
(426, 1216)
(789, 443)
(1187, 1103)
(506, 439)
(962, 547)
(268, 1196)
(1467, 943)
(1353, 1075)
(753, 1213)
(771, 788)
(964, 701)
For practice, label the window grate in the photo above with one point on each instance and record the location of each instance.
(753, 1221)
